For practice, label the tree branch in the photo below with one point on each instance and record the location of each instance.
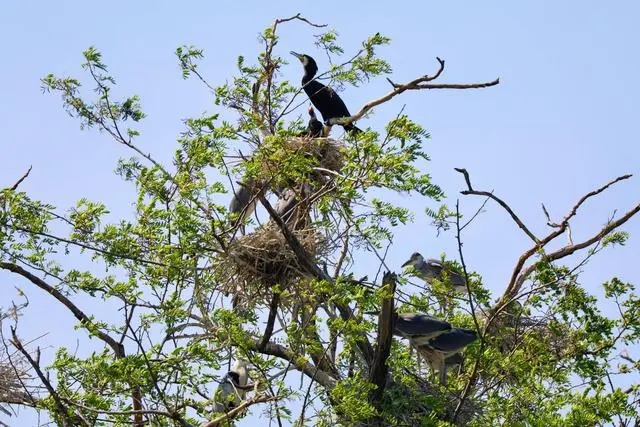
(60, 406)
(492, 196)
(416, 84)
(22, 178)
(313, 372)
(379, 369)
(238, 409)
(118, 348)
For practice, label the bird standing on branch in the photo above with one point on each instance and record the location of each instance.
(429, 269)
(325, 99)
(232, 388)
(419, 328)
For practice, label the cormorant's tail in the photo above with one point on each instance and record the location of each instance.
(352, 129)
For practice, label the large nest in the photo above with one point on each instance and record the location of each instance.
(259, 260)
(321, 155)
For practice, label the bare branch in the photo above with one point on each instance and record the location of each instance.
(299, 17)
(506, 207)
(61, 408)
(518, 276)
(416, 84)
(22, 178)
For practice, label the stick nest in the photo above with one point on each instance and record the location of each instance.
(259, 260)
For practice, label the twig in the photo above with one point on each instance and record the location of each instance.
(61, 407)
(506, 207)
(22, 178)
(277, 350)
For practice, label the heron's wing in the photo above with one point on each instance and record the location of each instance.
(454, 340)
(418, 324)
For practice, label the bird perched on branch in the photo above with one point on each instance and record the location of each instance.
(232, 388)
(440, 352)
(429, 269)
(244, 199)
(325, 99)
(419, 328)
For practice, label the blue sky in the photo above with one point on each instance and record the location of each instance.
(561, 123)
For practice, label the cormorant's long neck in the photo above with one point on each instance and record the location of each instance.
(309, 74)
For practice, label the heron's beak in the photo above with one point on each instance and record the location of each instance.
(297, 55)
(409, 262)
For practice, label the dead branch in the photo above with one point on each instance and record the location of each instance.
(416, 84)
(518, 276)
(571, 248)
(22, 178)
(520, 273)
(62, 409)
(489, 194)
(298, 17)
(379, 369)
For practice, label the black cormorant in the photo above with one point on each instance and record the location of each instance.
(315, 129)
(323, 97)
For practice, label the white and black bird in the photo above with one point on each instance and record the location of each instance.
(232, 388)
(419, 328)
(430, 269)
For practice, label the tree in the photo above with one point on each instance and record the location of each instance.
(194, 290)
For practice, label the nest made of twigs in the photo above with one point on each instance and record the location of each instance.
(262, 259)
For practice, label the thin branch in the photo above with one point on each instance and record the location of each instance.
(416, 84)
(518, 276)
(298, 17)
(22, 178)
(506, 207)
(277, 350)
(61, 407)
(118, 348)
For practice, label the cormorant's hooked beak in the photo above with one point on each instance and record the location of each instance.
(297, 55)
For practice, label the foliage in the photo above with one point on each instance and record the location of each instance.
(547, 354)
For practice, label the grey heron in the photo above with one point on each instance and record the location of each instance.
(453, 341)
(440, 352)
(244, 199)
(419, 328)
(430, 269)
(232, 388)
